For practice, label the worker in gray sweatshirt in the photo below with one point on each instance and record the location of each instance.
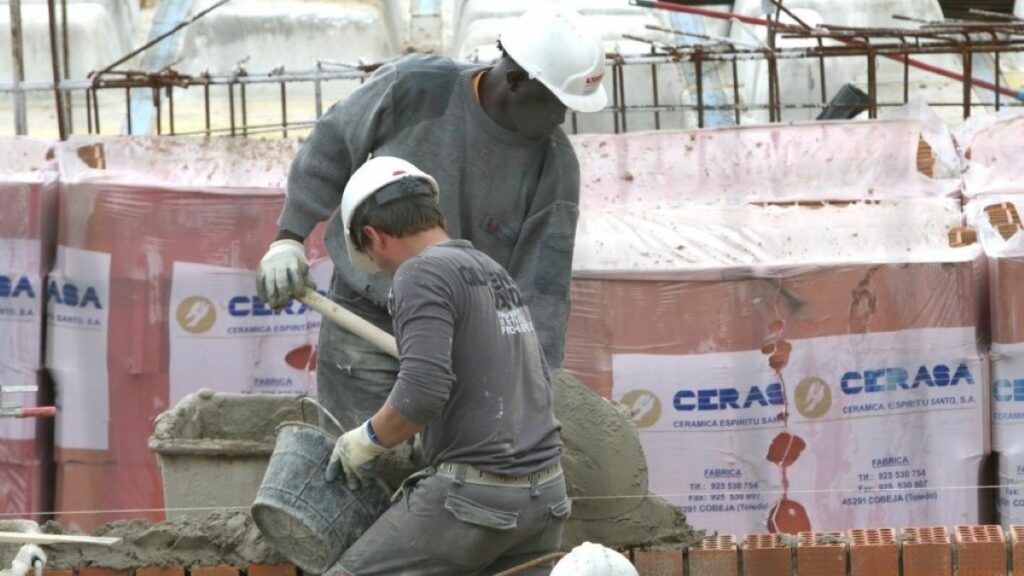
(490, 135)
(472, 381)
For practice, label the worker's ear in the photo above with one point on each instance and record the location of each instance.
(514, 78)
(375, 240)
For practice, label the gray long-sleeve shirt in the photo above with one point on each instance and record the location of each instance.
(514, 197)
(470, 365)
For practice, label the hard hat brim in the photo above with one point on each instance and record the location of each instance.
(590, 103)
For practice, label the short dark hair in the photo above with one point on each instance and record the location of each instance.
(398, 218)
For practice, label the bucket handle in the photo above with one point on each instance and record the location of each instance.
(320, 407)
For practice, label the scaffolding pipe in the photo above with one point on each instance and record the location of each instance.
(18, 69)
(753, 20)
(55, 60)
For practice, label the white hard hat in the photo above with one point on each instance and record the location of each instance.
(374, 175)
(555, 46)
(589, 559)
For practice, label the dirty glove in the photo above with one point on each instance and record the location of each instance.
(283, 273)
(30, 560)
(351, 452)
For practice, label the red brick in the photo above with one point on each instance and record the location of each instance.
(100, 571)
(219, 570)
(273, 570)
(58, 573)
(715, 556)
(765, 555)
(874, 552)
(981, 551)
(821, 554)
(1017, 538)
(927, 551)
(667, 562)
(160, 571)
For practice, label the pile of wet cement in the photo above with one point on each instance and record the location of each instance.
(222, 537)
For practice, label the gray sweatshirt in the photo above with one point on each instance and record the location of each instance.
(514, 197)
(471, 367)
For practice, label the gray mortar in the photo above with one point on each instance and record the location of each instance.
(604, 460)
(224, 537)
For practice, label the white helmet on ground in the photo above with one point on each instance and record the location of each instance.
(589, 559)
(372, 177)
(555, 46)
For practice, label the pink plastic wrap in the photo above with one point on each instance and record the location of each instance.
(158, 240)
(789, 367)
(28, 196)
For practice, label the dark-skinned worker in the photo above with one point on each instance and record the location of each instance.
(490, 135)
(472, 380)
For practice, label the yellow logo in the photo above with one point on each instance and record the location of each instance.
(813, 398)
(196, 314)
(644, 406)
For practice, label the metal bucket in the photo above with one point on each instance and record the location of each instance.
(310, 521)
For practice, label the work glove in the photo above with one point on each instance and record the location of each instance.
(353, 450)
(29, 557)
(283, 273)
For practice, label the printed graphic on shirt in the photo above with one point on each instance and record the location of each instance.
(508, 300)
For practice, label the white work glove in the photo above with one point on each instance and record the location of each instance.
(351, 452)
(283, 273)
(29, 557)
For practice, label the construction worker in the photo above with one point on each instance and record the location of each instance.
(589, 559)
(491, 136)
(472, 378)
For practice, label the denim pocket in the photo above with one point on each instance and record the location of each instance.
(473, 513)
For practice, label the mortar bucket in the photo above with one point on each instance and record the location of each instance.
(310, 521)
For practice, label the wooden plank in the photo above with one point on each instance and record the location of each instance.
(29, 538)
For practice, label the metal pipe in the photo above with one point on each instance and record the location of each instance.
(55, 60)
(18, 69)
(66, 61)
(662, 5)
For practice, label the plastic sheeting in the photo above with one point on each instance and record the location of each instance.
(155, 298)
(994, 179)
(793, 363)
(28, 193)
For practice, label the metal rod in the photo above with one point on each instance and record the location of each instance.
(654, 91)
(231, 106)
(698, 71)
(317, 90)
(66, 62)
(284, 111)
(88, 110)
(662, 5)
(998, 94)
(170, 107)
(206, 106)
(96, 110)
(968, 72)
(55, 60)
(736, 90)
(872, 87)
(159, 112)
(18, 69)
(128, 108)
(622, 96)
(615, 96)
(245, 115)
(157, 40)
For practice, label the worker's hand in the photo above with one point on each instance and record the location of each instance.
(283, 273)
(351, 452)
(30, 560)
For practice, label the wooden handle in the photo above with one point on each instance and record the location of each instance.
(349, 321)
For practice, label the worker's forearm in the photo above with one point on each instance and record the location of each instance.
(391, 427)
(283, 234)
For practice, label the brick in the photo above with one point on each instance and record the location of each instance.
(1017, 539)
(100, 571)
(160, 571)
(821, 554)
(668, 562)
(765, 555)
(715, 556)
(284, 569)
(58, 573)
(981, 550)
(874, 552)
(218, 570)
(927, 551)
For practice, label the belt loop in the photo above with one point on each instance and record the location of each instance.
(534, 490)
(460, 474)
